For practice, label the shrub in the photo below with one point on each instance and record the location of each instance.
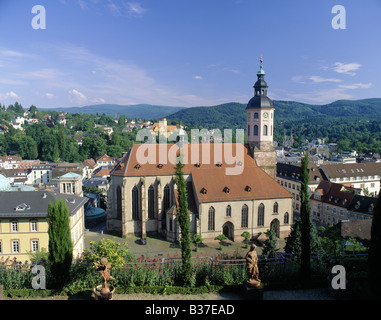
(107, 248)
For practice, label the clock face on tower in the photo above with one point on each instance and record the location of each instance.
(265, 115)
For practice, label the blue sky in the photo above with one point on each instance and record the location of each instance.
(187, 52)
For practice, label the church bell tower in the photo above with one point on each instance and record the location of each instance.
(260, 125)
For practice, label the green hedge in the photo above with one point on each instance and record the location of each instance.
(164, 290)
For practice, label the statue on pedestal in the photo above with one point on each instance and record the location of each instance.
(252, 268)
(104, 270)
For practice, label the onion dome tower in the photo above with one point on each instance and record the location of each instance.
(260, 125)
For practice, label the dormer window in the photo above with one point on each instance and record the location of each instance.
(203, 191)
(219, 164)
(137, 166)
(197, 165)
(248, 189)
(226, 190)
(160, 166)
(22, 207)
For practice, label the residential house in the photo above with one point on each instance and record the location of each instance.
(18, 176)
(61, 118)
(163, 128)
(365, 176)
(105, 161)
(24, 225)
(18, 122)
(333, 202)
(288, 176)
(10, 162)
(89, 165)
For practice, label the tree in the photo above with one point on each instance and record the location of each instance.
(197, 240)
(247, 236)
(270, 249)
(185, 241)
(107, 248)
(305, 267)
(60, 245)
(222, 239)
(374, 261)
(33, 110)
(294, 240)
(49, 150)
(27, 148)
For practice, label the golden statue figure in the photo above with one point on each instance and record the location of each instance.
(252, 268)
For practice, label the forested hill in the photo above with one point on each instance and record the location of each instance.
(138, 111)
(233, 115)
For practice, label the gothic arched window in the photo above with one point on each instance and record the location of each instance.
(276, 206)
(286, 218)
(135, 203)
(151, 202)
(261, 215)
(265, 130)
(245, 216)
(255, 130)
(119, 203)
(167, 197)
(228, 211)
(256, 115)
(211, 217)
(248, 129)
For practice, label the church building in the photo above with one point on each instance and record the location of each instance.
(142, 195)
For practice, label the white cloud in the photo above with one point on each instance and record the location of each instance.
(346, 68)
(77, 97)
(49, 95)
(12, 53)
(8, 95)
(42, 74)
(123, 82)
(82, 4)
(197, 77)
(318, 79)
(97, 100)
(322, 96)
(231, 70)
(357, 86)
(313, 79)
(135, 8)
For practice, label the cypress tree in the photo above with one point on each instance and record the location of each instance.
(185, 241)
(60, 245)
(294, 240)
(374, 257)
(305, 267)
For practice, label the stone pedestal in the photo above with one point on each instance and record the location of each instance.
(103, 293)
(253, 293)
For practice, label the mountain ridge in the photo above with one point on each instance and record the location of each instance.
(233, 115)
